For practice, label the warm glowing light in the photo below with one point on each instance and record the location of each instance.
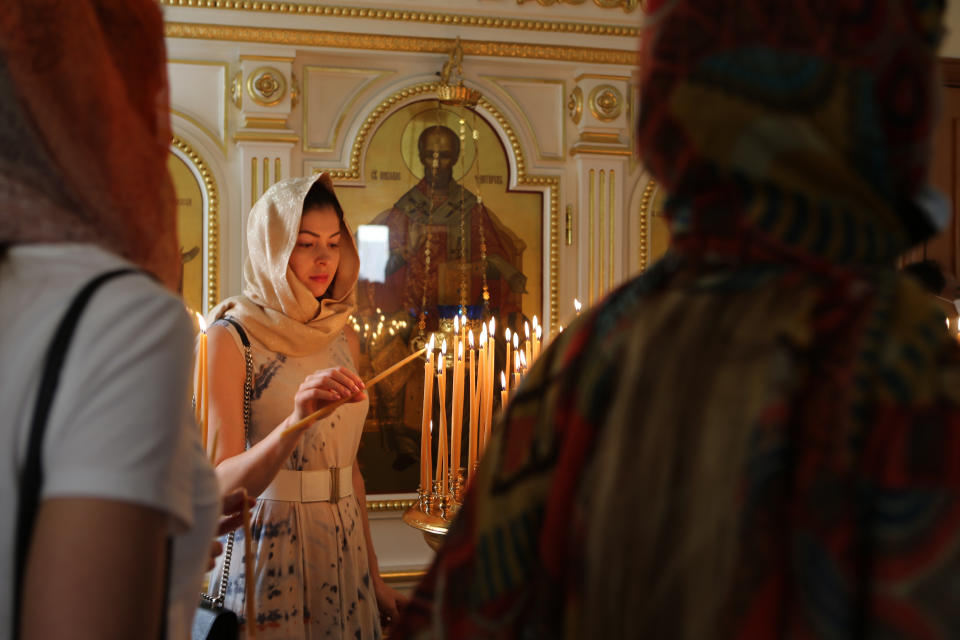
(535, 323)
(493, 326)
(526, 330)
(523, 360)
(201, 322)
(577, 306)
(516, 341)
(503, 380)
(456, 324)
(507, 334)
(460, 351)
(539, 332)
(443, 348)
(470, 338)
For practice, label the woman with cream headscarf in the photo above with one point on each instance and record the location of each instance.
(316, 574)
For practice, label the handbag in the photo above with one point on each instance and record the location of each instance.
(31, 473)
(213, 621)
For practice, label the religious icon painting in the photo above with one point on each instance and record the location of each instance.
(441, 235)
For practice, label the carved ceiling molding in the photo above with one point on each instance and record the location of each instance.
(333, 39)
(627, 5)
(428, 17)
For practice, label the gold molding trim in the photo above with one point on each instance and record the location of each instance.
(390, 505)
(606, 102)
(575, 105)
(213, 219)
(430, 17)
(627, 5)
(602, 137)
(267, 86)
(611, 213)
(236, 90)
(376, 42)
(645, 199)
(245, 57)
(591, 212)
(403, 576)
(264, 136)
(252, 122)
(600, 151)
(352, 173)
(601, 76)
(601, 216)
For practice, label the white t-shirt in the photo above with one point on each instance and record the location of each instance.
(120, 427)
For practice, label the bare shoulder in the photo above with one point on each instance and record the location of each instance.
(223, 349)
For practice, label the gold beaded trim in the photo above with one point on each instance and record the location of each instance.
(213, 214)
(403, 15)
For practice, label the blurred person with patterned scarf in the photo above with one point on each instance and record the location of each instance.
(760, 436)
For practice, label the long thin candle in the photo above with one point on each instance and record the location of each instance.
(472, 430)
(506, 334)
(456, 420)
(442, 439)
(319, 414)
(425, 457)
(503, 391)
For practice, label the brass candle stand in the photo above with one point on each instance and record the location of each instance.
(433, 512)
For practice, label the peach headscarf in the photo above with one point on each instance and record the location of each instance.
(276, 308)
(85, 129)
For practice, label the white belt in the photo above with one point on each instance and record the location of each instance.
(325, 485)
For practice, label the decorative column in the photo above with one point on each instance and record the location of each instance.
(265, 90)
(597, 106)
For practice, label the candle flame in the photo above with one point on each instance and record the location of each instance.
(493, 326)
(516, 341)
(443, 347)
(506, 334)
(526, 329)
(503, 380)
(430, 344)
(536, 323)
(460, 351)
(539, 332)
(201, 322)
(456, 324)
(431, 426)
(470, 336)
(439, 365)
(523, 360)
(576, 305)
(483, 336)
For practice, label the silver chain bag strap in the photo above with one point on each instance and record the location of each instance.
(212, 621)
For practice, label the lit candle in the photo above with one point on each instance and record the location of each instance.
(456, 333)
(523, 364)
(526, 341)
(474, 409)
(516, 372)
(537, 342)
(577, 306)
(456, 418)
(491, 356)
(503, 391)
(426, 427)
(442, 437)
(506, 334)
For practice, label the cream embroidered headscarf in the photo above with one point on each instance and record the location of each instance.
(276, 308)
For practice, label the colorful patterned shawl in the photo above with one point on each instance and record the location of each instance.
(759, 437)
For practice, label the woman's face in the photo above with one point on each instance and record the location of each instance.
(316, 255)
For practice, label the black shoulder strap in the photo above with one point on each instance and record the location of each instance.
(31, 474)
(236, 325)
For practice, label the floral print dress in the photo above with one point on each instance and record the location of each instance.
(311, 569)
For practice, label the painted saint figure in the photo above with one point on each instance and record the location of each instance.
(445, 245)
